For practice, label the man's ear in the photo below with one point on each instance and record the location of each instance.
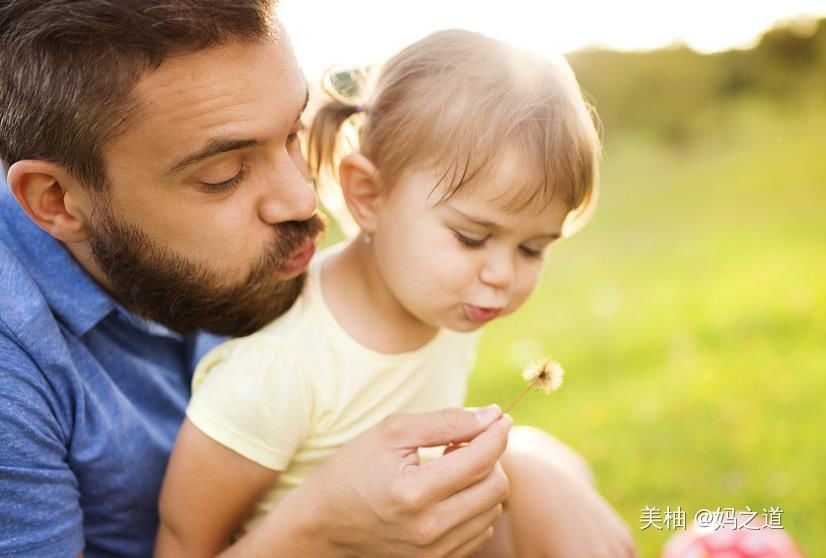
(51, 198)
(360, 185)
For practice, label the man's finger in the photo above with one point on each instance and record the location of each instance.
(472, 546)
(474, 500)
(438, 428)
(469, 530)
(448, 474)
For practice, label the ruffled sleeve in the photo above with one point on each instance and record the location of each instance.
(254, 397)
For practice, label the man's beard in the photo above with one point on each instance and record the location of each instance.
(159, 285)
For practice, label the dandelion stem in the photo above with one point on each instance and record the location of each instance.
(518, 398)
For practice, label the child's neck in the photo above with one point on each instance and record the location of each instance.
(364, 307)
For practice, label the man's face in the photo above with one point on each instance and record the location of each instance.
(209, 218)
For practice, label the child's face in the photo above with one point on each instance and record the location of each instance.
(465, 261)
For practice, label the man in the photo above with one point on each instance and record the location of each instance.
(155, 190)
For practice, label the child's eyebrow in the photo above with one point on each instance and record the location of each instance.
(477, 220)
(495, 227)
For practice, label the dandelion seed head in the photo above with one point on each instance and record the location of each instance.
(544, 375)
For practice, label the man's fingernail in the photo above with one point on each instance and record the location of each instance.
(487, 415)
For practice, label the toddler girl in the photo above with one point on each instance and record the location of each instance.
(472, 158)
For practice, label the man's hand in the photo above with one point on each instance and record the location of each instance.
(375, 499)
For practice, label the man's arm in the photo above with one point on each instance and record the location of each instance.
(39, 507)
(374, 499)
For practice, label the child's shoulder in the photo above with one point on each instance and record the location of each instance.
(296, 326)
(286, 342)
(262, 353)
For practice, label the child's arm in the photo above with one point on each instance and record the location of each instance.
(207, 493)
(554, 509)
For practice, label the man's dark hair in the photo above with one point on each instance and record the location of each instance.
(68, 67)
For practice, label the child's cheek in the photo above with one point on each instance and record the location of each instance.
(525, 288)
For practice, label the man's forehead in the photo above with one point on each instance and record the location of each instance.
(238, 71)
(251, 89)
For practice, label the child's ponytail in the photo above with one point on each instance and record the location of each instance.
(333, 134)
(324, 137)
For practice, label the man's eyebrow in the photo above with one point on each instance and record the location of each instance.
(212, 148)
(223, 145)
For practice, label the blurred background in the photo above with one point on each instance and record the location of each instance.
(690, 315)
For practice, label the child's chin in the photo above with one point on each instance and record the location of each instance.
(464, 326)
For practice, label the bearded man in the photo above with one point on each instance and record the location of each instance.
(157, 201)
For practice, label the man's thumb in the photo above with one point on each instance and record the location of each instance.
(439, 428)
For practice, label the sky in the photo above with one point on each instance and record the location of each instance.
(358, 32)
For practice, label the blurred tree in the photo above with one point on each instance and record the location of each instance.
(672, 92)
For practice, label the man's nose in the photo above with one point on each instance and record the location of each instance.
(288, 196)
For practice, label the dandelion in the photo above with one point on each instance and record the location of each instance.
(544, 375)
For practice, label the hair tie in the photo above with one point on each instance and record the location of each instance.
(345, 85)
(359, 108)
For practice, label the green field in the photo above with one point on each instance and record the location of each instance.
(690, 316)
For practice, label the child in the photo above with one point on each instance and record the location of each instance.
(473, 158)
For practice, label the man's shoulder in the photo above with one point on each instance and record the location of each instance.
(22, 303)
(27, 326)
(35, 438)
(15, 360)
(31, 339)
(31, 406)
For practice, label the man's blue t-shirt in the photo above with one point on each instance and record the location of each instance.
(91, 399)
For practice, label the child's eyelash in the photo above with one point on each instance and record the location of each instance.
(469, 242)
(538, 254)
(225, 186)
(477, 243)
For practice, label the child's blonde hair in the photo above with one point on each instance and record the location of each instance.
(458, 100)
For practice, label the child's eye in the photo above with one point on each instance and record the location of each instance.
(468, 241)
(225, 186)
(531, 253)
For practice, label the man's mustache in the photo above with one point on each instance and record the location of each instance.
(290, 236)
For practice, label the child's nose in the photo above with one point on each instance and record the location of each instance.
(498, 271)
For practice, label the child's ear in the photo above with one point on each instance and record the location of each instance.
(361, 188)
(51, 198)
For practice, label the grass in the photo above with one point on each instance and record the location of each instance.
(690, 316)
